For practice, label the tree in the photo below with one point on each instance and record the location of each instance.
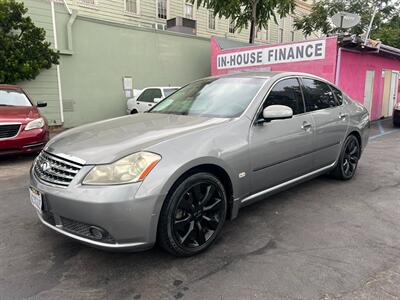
(24, 52)
(257, 12)
(389, 32)
(322, 11)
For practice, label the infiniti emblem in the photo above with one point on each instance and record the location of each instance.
(45, 166)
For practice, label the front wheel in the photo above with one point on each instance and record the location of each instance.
(193, 216)
(348, 160)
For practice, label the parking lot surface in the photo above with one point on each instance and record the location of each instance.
(324, 239)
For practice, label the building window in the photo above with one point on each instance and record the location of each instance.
(132, 6)
(280, 37)
(159, 26)
(211, 20)
(258, 33)
(232, 25)
(188, 11)
(292, 36)
(162, 9)
(87, 2)
(281, 23)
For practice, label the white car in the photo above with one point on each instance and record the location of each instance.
(148, 98)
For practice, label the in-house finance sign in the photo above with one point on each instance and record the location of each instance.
(297, 52)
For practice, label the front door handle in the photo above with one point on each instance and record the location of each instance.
(306, 126)
(342, 116)
(149, 104)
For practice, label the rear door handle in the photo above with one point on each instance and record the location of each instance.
(306, 125)
(342, 116)
(149, 104)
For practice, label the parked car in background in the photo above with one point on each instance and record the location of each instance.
(22, 128)
(396, 115)
(175, 174)
(148, 98)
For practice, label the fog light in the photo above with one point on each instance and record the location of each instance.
(96, 232)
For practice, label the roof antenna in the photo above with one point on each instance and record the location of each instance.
(370, 25)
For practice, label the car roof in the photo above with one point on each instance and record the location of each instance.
(252, 74)
(9, 87)
(272, 74)
(161, 87)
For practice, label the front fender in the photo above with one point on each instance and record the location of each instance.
(199, 162)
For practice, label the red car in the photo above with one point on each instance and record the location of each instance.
(22, 128)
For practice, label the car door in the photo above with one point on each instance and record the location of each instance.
(281, 150)
(146, 99)
(330, 119)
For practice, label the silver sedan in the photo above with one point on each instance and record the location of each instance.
(176, 174)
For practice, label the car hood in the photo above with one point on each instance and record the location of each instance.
(22, 114)
(109, 140)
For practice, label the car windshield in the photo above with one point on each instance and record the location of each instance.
(13, 98)
(225, 97)
(168, 92)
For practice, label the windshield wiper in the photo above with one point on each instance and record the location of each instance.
(5, 104)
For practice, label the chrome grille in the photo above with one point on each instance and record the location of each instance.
(9, 130)
(55, 170)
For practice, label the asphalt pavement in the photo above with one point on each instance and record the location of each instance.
(324, 239)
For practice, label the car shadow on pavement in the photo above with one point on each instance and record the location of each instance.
(19, 158)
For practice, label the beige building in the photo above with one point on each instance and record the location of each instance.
(155, 13)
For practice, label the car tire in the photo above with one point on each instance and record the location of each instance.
(396, 124)
(348, 160)
(193, 215)
(134, 111)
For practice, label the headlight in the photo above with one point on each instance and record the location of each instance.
(397, 106)
(38, 123)
(132, 168)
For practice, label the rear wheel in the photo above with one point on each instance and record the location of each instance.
(348, 160)
(193, 216)
(134, 111)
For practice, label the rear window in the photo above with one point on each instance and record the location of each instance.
(168, 92)
(9, 97)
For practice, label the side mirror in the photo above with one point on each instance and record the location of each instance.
(277, 112)
(156, 100)
(41, 104)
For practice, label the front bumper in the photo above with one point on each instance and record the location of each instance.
(30, 141)
(128, 222)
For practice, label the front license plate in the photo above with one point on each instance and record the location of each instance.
(36, 198)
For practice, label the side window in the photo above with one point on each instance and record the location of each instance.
(286, 92)
(318, 95)
(338, 95)
(149, 95)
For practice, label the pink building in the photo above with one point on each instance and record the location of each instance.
(368, 74)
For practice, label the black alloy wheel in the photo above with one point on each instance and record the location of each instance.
(348, 161)
(193, 216)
